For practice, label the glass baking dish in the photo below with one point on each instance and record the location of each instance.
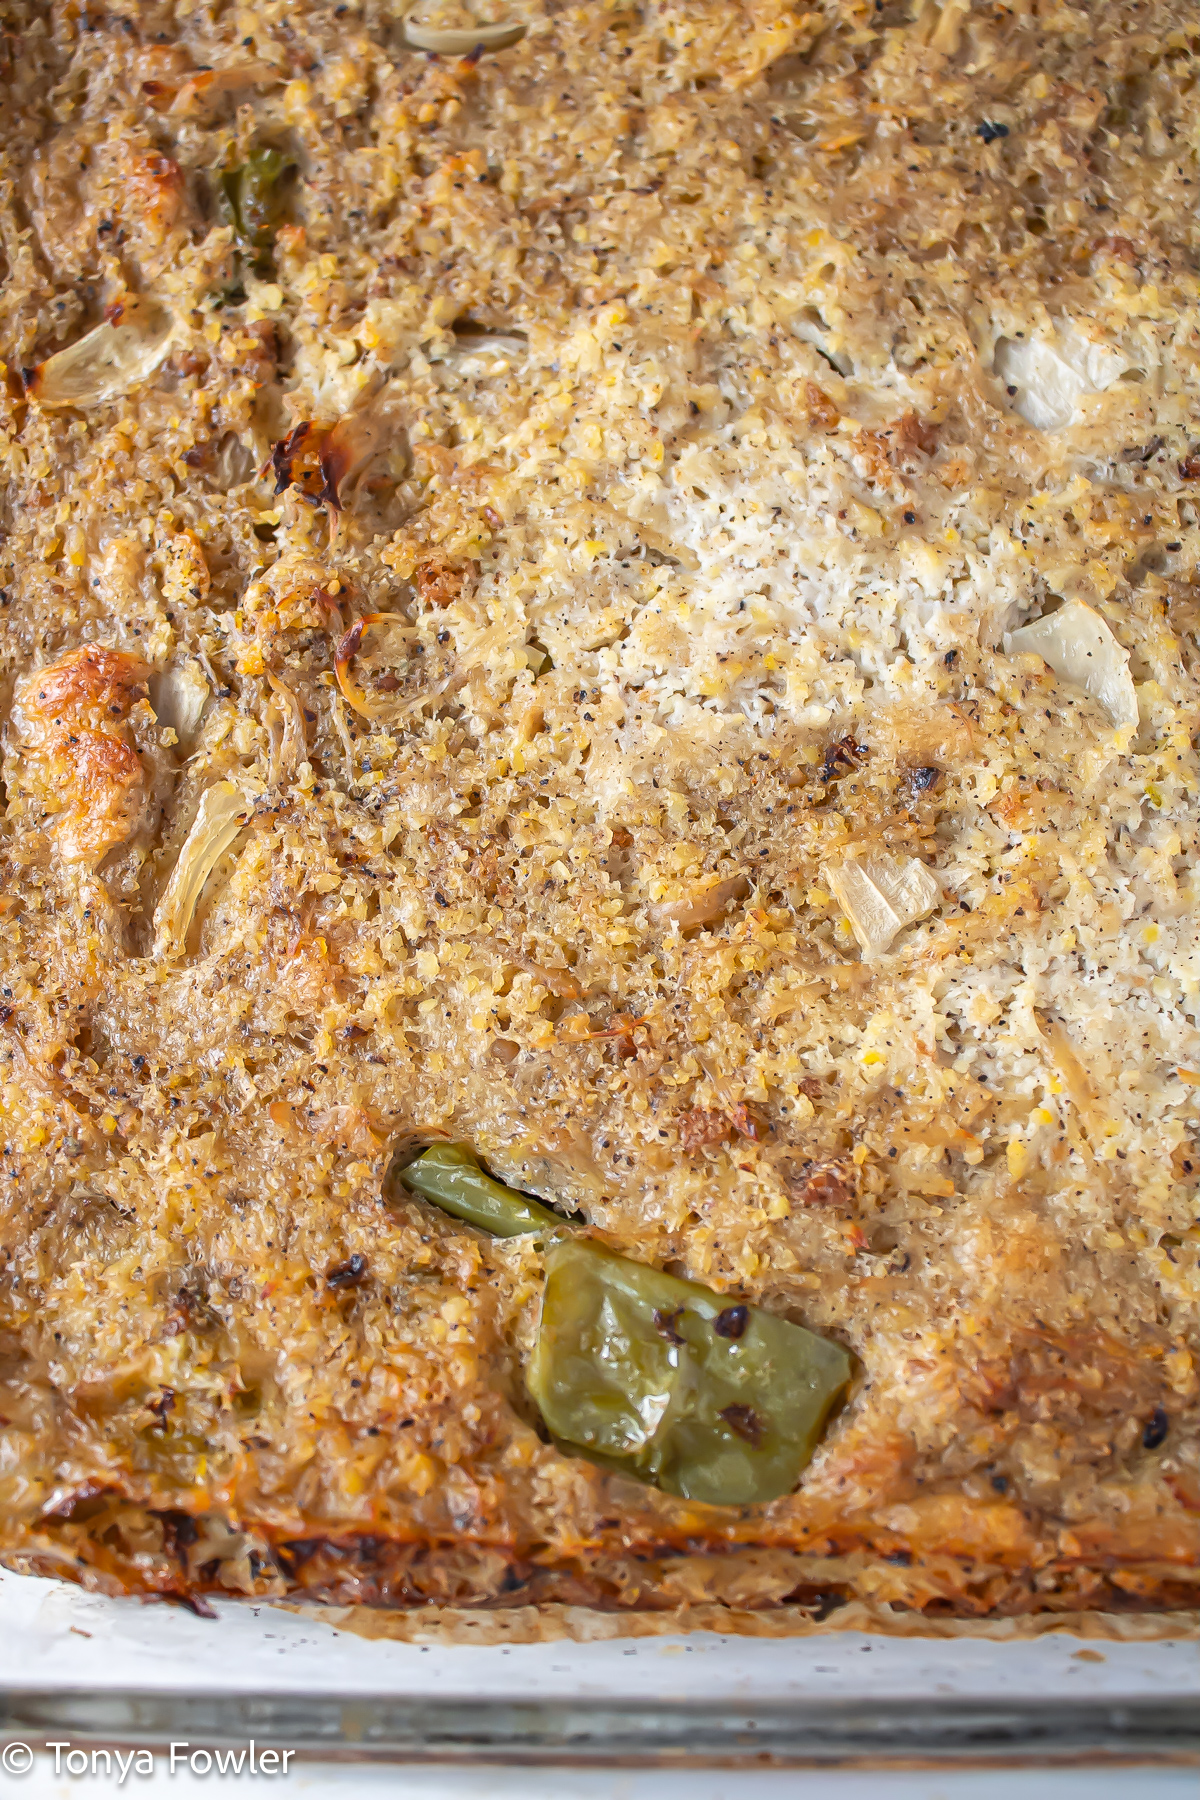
(89, 1669)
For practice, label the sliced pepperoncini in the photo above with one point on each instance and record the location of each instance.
(669, 1381)
(254, 203)
(660, 1378)
(450, 1176)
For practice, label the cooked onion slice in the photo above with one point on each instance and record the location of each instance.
(1052, 375)
(347, 649)
(1080, 648)
(223, 811)
(179, 696)
(706, 902)
(348, 449)
(208, 85)
(323, 461)
(106, 362)
(880, 894)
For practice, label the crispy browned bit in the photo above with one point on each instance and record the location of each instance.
(811, 1086)
(189, 362)
(1118, 246)
(346, 449)
(78, 759)
(1189, 468)
(285, 453)
(703, 1125)
(72, 1503)
(350, 641)
(347, 649)
(1142, 453)
(748, 1122)
(621, 838)
(493, 518)
(186, 1311)
(732, 1322)
(195, 1604)
(832, 1184)
(318, 460)
(911, 432)
(163, 1403)
(841, 755)
(439, 582)
(821, 409)
(745, 1422)
(667, 1325)
(348, 1274)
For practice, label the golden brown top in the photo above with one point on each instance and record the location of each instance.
(515, 581)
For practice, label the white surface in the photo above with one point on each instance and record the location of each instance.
(54, 1636)
(332, 1782)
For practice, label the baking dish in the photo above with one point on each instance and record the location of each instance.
(743, 840)
(83, 1667)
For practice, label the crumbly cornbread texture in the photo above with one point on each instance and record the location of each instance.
(505, 570)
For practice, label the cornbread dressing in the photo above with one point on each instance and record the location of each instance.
(622, 592)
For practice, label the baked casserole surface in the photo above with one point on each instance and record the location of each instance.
(615, 584)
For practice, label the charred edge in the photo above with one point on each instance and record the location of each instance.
(348, 1274)
(333, 461)
(667, 1325)
(283, 456)
(398, 1574)
(840, 756)
(348, 646)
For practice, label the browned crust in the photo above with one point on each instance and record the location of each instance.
(374, 1573)
(544, 865)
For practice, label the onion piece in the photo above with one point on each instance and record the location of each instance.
(459, 42)
(292, 749)
(106, 361)
(880, 894)
(1052, 375)
(348, 449)
(179, 697)
(322, 461)
(345, 652)
(223, 812)
(1080, 647)
(480, 340)
(207, 85)
(706, 902)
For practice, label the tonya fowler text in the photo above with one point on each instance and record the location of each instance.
(247, 1759)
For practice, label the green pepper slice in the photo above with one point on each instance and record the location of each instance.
(450, 1175)
(704, 1397)
(253, 201)
(668, 1381)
